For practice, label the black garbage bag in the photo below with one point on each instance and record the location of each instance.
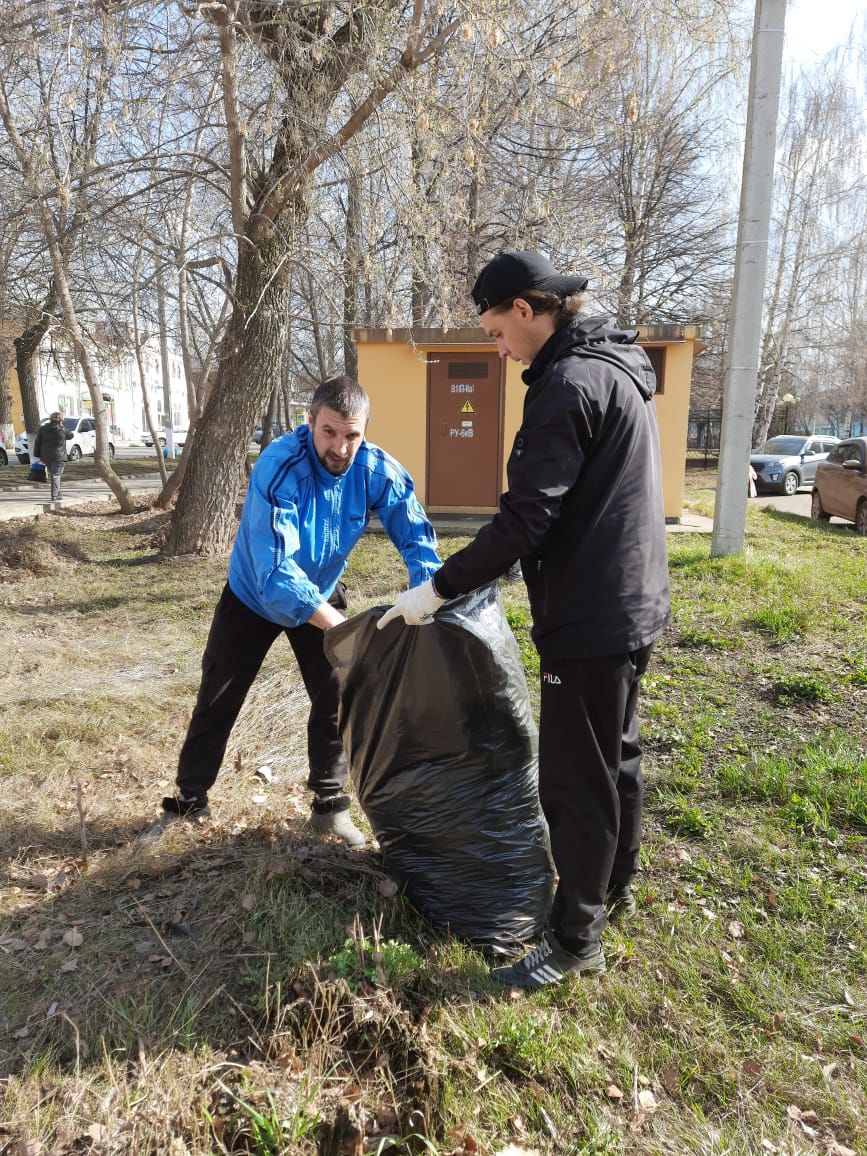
(441, 741)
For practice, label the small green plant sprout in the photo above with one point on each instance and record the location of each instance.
(692, 637)
(685, 819)
(782, 623)
(804, 814)
(385, 963)
(803, 688)
(270, 1132)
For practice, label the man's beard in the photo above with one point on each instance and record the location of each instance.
(344, 465)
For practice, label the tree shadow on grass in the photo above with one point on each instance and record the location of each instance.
(836, 528)
(133, 939)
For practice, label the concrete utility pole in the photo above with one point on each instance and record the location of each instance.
(749, 285)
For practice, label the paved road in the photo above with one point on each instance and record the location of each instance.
(796, 504)
(30, 500)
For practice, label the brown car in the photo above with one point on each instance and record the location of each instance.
(840, 488)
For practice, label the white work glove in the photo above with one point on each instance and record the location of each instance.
(417, 606)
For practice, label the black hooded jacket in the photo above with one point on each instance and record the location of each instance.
(51, 440)
(584, 510)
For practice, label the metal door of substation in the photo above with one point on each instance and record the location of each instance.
(464, 433)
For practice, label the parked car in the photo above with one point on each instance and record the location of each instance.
(179, 437)
(4, 457)
(840, 488)
(81, 444)
(277, 431)
(786, 462)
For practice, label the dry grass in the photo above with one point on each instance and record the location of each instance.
(184, 988)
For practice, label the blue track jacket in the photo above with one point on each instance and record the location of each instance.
(300, 523)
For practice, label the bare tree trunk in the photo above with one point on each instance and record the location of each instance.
(268, 419)
(316, 327)
(350, 274)
(626, 288)
(203, 522)
(25, 356)
(418, 285)
(142, 376)
(473, 229)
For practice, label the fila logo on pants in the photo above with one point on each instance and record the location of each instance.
(551, 679)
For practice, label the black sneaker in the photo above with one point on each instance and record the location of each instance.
(548, 964)
(330, 816)
(186, 806)
(619, 901)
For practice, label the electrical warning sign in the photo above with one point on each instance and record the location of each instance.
(467, 407)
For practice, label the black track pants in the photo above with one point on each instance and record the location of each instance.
(236, 648)
(590, 784)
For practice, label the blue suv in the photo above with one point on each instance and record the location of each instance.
(788, 461)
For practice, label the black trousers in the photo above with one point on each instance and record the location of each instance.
(236, 648)
(590, 784)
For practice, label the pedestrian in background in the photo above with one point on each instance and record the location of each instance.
(584, 514)
(50, 447)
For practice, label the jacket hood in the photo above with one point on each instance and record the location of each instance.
(596, 338)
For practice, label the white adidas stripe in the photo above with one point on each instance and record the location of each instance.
(547, 974)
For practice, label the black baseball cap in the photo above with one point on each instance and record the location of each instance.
(514, 273)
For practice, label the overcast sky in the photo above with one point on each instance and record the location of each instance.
(814, 27)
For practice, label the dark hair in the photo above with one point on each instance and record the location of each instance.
(342, 394)
(564, 309)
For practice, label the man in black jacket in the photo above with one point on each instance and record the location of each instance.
(584, 514)
(50, 447)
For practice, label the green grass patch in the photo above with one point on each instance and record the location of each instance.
(816, 782)
(236, 981)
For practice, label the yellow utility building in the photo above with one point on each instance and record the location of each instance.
(448, 409)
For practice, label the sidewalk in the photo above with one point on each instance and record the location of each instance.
(30, 500)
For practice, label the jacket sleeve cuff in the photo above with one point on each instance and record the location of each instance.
(443, 587)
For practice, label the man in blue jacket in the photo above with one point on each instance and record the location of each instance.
(310, 498)
(584, 514)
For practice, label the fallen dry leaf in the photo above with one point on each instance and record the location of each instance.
(515, 1150)
(248, 901)
(735, 929)
(647, 1100)
(671, 1079)
(387, 888)
(22, 1033)
(613, 1092)
(73, 937)
(28, 1148)
(11, 945)
(70, 965)
(838, 1149)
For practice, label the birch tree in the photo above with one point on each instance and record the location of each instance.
(55, 163)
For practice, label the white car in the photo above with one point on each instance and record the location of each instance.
(81, 444)
(179, 436)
